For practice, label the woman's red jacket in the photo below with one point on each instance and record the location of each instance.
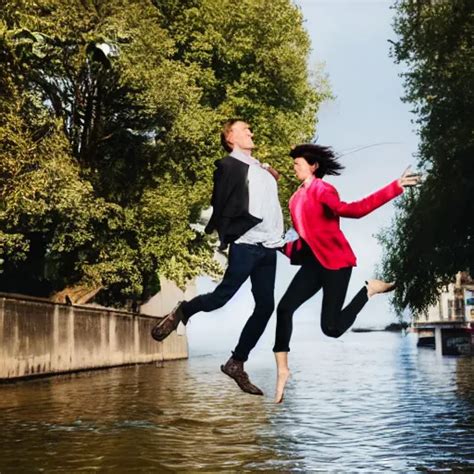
(315, 211)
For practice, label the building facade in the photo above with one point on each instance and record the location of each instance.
(449, 324)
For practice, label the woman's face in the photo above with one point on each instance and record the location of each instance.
(303, 169)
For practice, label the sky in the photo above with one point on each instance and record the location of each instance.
(350, 39)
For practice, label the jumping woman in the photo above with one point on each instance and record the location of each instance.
(323, 252)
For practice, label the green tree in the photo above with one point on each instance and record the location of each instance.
(432, 236)
(109, 131)
(253, 63)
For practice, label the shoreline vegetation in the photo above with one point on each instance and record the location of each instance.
(430, 238)
(109, 126)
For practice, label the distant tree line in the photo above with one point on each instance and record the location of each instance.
(110, 114)
(432, 236)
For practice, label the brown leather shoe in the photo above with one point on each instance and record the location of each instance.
(235, 370)
(168, 324)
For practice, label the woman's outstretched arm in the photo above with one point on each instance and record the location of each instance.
(361, 208)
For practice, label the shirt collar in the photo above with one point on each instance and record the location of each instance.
(241, 156)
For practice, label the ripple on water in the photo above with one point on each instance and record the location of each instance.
(373, 403)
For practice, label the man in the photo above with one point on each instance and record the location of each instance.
(248, 217)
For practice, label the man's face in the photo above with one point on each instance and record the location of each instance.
(240, 136)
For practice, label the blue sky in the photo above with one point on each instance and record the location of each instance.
(350, 39)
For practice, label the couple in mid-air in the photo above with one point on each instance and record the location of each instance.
(247, 217)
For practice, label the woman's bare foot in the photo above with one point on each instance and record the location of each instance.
(282, 378)
(378, 286)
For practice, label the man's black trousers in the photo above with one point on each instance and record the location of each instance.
(245, 260)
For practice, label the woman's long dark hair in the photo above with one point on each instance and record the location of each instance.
(323, 155)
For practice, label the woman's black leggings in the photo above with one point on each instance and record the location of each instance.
(311, 277)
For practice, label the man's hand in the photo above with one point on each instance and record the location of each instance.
(409, 179)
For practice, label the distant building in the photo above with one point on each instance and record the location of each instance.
(449, 324)
(456, 302)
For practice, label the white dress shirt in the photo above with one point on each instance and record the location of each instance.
(263, 203)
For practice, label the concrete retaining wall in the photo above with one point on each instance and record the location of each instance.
(38, 337)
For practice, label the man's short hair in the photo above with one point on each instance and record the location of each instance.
(226, 128)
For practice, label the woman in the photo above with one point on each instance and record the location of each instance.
(323, 252)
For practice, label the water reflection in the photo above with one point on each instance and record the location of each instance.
(368, 402)
(134, 418)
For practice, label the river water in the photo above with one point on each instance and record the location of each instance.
(366, 402)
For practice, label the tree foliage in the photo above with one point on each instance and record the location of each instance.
(432, 237)
(109, 127)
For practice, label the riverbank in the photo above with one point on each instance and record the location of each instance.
(38, 338)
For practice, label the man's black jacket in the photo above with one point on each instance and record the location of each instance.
(230, 201)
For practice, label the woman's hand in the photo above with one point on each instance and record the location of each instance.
(409, 179)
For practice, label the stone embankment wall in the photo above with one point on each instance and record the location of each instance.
(38, 337)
